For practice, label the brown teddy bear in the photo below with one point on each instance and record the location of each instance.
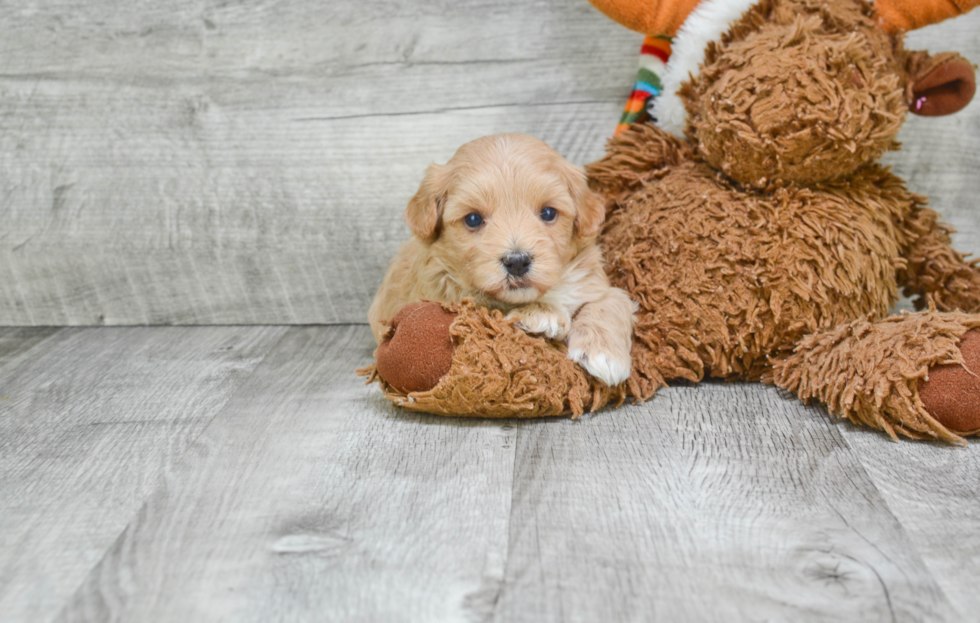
(767, 246)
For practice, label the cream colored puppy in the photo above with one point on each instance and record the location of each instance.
(508, 222)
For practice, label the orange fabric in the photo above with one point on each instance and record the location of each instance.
(650, 17)
(635, 104)
(664, 17)
(906, 15)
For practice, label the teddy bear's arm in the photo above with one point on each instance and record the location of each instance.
(632, 159)
(934, 269)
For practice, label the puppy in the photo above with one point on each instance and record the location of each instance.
(508, 222)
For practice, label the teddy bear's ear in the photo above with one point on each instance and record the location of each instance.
(424, 210)
(939, 85)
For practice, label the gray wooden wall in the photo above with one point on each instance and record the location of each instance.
(197, 161)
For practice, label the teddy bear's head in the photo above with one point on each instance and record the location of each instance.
(801, 90)
(804, 91)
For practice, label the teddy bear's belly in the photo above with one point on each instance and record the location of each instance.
(726, 278)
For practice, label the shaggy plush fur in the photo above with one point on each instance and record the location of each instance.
(499, 371)
(767, 247)
(745, 110)
(869, 372)
(728, 277)
(934, 268)
(707, 22)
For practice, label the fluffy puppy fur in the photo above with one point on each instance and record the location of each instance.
(507, 196)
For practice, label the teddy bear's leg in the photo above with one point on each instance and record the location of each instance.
(458, 359)
(878, 373)
(935, 270)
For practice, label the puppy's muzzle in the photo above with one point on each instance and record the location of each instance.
(517, 263)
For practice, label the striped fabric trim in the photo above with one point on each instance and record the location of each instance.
(653, 61)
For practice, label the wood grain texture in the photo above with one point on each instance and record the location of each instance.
(88, 420)
(721, 502)
(310, 498)
(193, 162)
(15, 341)
(935, 493)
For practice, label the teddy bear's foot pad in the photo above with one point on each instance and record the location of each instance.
(873, 373)
(951, 393)
(417, 349)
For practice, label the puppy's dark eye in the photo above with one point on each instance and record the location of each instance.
(473, 220)
(548, 214)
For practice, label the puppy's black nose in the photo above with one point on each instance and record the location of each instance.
(517, 263)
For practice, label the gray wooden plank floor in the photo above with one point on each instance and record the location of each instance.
(727, 491)
(201, 162)
(191, 162)
(243, 163)
(88, 421)
(245, 474)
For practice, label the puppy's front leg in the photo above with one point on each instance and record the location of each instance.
(601, 337)
(542, 319)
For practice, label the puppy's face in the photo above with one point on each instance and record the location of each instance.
(505, 216)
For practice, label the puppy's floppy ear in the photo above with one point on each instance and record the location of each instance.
(590, 210)
(591, 214)
(424, 210)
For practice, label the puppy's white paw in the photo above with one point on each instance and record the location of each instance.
(541, 320)
(608, 368)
